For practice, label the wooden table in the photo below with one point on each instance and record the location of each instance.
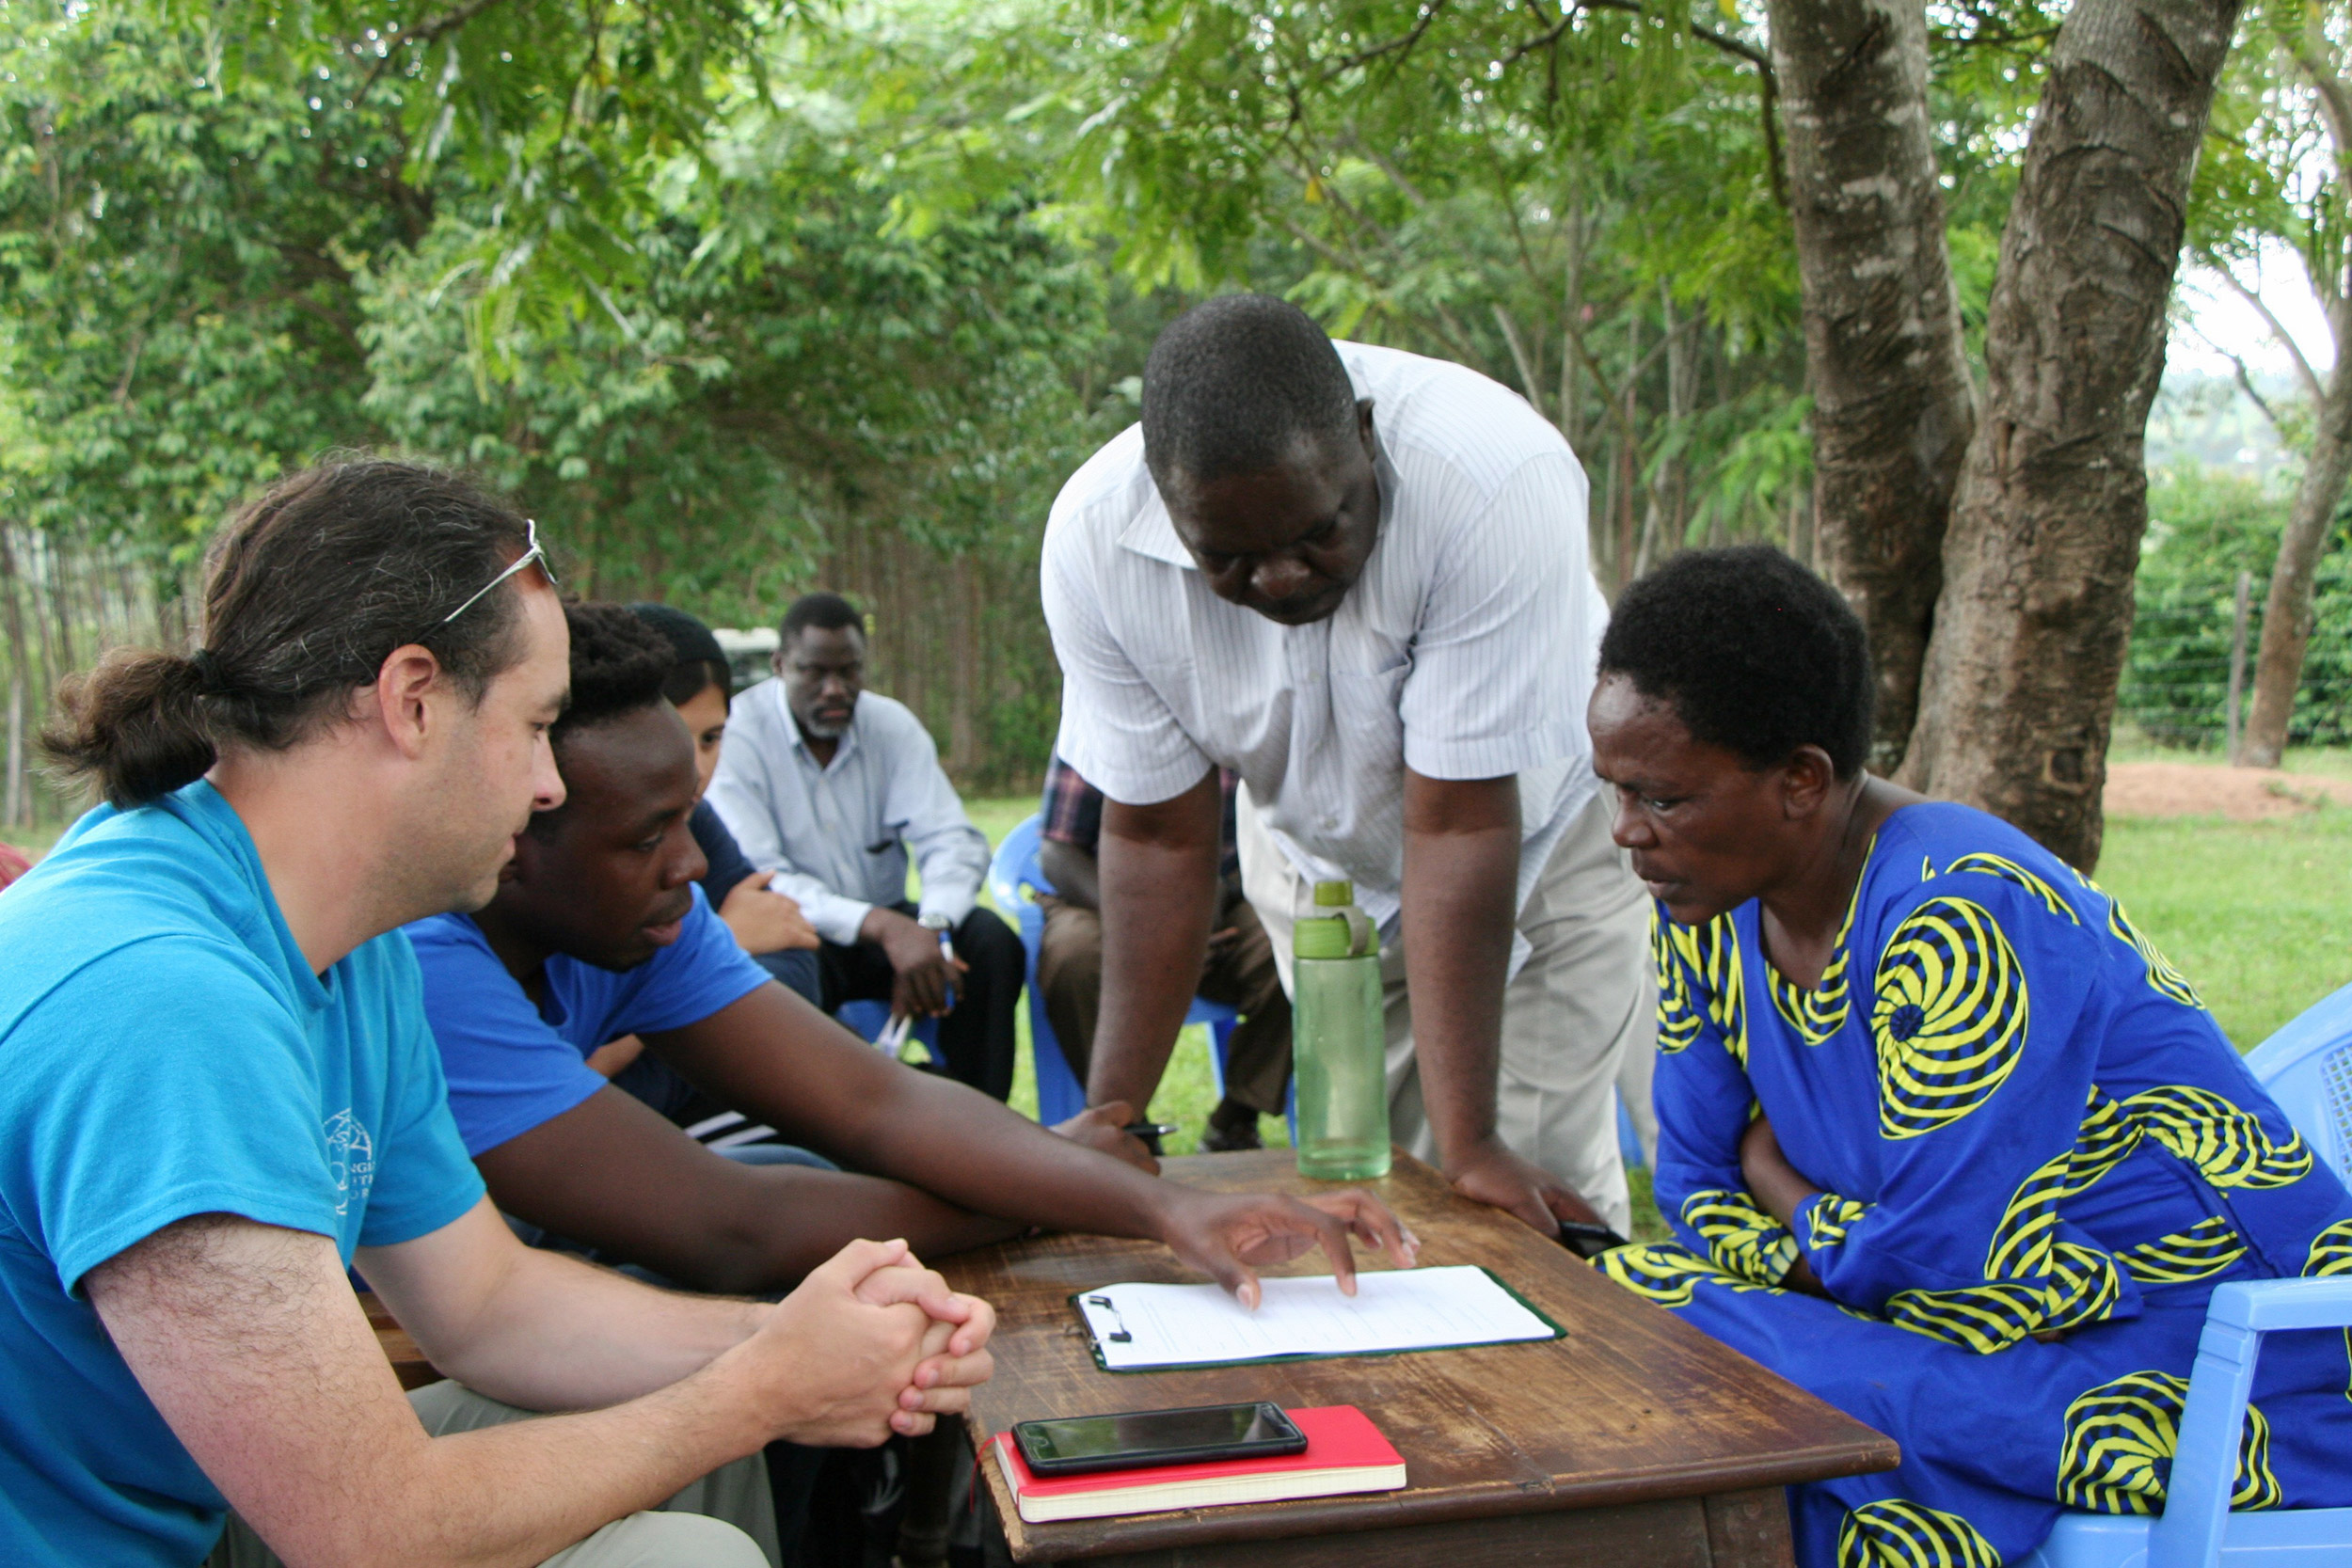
(1635, 1440)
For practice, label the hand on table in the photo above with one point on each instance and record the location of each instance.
(765, 922)
(922, 972)
(1231, 1238)
(1103, 1128)
(1490, 1173)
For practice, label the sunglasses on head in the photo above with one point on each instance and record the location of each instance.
(533, 554)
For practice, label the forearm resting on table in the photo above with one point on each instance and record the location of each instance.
(947, 1156)
(1002, 1163)
(614, 1173)
(1158, 871)
(249, 1341)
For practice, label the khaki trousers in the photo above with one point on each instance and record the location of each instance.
(725, 1520)
(1579, 1013)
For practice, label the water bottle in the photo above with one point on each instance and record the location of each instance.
(1339, 1040)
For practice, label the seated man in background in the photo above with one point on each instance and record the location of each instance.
(830, 786)
(598, 930)
(1240, 971)
(220, 1091)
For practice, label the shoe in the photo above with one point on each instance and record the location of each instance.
(1224, 1136)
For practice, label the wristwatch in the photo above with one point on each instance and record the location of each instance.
(942, 927)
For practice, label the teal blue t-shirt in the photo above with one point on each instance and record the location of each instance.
(165, 1052)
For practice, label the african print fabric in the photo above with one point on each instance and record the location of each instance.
(2039, 1155)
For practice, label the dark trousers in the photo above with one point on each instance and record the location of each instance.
(975, 1037)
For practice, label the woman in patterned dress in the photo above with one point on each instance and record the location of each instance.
(1942, 1137)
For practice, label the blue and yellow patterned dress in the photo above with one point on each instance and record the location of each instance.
(2024, 1121)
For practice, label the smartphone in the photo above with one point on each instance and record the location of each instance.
(1076, 1445)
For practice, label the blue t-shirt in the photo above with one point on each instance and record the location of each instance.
(166, 1051)
(511, 1065)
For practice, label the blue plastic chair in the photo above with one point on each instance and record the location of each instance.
(2307, 1067)
(1013, 881)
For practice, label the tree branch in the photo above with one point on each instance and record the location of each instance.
(427, 34)
(1768, 85)
(2277, 328)
(1396, 45)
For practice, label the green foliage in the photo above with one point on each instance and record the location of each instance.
(752, 333)
(2206, 526)
(176, 252)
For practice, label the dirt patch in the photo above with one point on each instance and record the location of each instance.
(2240, 794)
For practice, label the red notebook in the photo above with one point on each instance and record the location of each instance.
(1345, 1452)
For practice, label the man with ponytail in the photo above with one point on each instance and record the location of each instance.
(218, 1092)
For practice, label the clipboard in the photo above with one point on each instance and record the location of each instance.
(1106, 1313)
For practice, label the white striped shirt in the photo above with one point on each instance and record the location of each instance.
(1465, 651)
(838, 835)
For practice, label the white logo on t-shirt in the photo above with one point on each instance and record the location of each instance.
(350, 1159)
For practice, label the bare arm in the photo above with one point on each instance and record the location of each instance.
(1075, 877)
(612, 1173)
(1157, 891)
(251, 1344)
(1782, 1190)
(1460, 895)
(772, 1056)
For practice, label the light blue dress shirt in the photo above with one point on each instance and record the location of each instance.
(838, 835)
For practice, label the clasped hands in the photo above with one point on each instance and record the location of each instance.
(871, 1343)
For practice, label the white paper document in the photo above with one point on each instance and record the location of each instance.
(1141, 1326)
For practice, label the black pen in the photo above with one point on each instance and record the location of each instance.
(1150, 1134)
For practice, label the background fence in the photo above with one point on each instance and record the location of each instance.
(2176, 678)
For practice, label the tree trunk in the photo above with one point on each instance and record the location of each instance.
(1892, 404)
(2287, 607)
(2018, 696)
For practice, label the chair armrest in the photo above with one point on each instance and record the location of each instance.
(2267, 1305)
(2204, 1460)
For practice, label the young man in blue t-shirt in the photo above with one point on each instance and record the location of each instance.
(598, 930)
(217, 1091)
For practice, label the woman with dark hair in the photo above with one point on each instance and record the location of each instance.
(1942, 1137)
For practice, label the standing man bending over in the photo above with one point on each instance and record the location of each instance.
(831, 785)
(1357, 577)
(217, 1090)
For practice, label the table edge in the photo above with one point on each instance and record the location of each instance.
(1350, 1512)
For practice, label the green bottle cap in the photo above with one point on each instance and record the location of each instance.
(1344, 934)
